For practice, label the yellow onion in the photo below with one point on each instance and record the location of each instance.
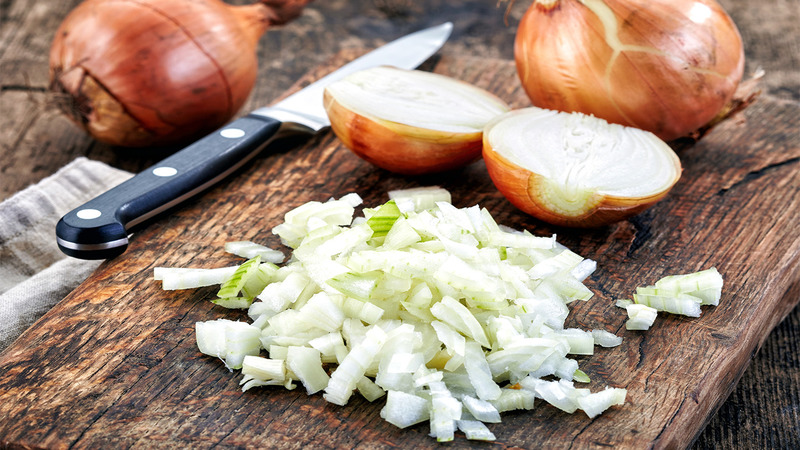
(575, 170)
(409, 121)
(143, 72)
(666, 66)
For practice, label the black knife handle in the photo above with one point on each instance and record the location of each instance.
(99, 228)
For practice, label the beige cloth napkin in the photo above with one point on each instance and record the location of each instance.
(34, 274)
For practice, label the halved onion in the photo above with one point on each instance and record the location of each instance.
(570, 169)
(408, 121)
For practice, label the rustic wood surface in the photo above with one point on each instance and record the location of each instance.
(736, 208)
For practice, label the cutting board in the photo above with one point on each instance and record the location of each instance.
(115, 363)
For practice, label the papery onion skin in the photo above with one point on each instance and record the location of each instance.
(400, 148)
(529, 192)
(135, 73)
(676, 65)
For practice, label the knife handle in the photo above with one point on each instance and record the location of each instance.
(99, 228)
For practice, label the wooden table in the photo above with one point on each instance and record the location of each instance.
(762, 412)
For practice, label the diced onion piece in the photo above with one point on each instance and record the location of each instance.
(605, 339)
(482, 410)
(264, 369)
(232, 286)
(369, 390)
(228, 340)
(452, 312)
(623, 302)
(683, 304)
(475, 430)
(581, 377)
(479, 373)
(181, 278)
(305, 362)
(419, 199)
(249, 249)
(382, 219)
(640, 317)
(404, 410)
(234, 302)
(705, 285)
(356, 285)
(347, 375)
(445, 411)
(571, 169)
(321, 312)
(561, 394)
(410, 121)
(580, 342)
(512, 399)
(597, 402)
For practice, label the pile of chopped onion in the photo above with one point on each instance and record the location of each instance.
(451, 317)
(675, 294)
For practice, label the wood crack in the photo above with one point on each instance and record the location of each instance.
(758, 173)
(642, 231)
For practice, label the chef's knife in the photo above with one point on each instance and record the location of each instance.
(99, 229)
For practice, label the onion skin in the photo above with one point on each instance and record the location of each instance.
(400, 148)
(136, 73)
(658, 70)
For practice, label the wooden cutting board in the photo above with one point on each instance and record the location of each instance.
(115, 363)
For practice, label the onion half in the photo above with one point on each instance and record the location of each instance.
(408, 121)
(570, 169)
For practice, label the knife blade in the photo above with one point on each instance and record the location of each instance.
(100, 228)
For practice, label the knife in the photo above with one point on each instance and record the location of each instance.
(100, 228)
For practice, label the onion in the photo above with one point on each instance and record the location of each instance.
(574, 170)
(142, 72)
(666, 66)
(408, 121)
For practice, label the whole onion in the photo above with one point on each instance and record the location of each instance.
(153, 72)
(665, 66)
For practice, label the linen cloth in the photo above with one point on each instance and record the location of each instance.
(34, 274)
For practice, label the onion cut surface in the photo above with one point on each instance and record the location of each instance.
(575, 170)
(410, 121)
(401, 322)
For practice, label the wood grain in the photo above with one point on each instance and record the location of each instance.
(115, 362)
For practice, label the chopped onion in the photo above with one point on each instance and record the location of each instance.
(453, 318)
(640, 317)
